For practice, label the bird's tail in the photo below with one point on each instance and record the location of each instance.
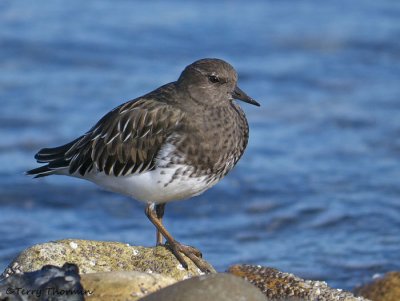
(55, 159)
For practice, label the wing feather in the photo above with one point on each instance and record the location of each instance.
(126, 140)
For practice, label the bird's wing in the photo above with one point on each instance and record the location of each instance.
(126, 140)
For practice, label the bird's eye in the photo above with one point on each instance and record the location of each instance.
(213, 78)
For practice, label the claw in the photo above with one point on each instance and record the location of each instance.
(192, 253)
(177, 248)
(192, 250)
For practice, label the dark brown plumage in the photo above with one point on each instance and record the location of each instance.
(172, 143)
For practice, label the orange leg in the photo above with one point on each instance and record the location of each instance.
(176, 247)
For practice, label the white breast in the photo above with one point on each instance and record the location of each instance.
(167, 182)
(153, 186)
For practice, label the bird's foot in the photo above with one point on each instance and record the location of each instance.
(192, 253)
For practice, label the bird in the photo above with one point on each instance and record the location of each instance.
(170, 144)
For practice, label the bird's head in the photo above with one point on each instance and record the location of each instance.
(212, 82)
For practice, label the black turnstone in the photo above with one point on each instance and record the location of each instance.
(170, 144)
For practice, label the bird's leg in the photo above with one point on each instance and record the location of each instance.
(175, 246)
(160, 209)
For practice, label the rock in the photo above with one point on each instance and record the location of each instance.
(386, 288)
(277, 285)
(48, 283)
(221, 287)
(122, 286)
(98, 256)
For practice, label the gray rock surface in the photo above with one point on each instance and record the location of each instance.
(277, 285)
(117, 271)
(48, 283)
(99, 256)
(214, 287)
(122, 286)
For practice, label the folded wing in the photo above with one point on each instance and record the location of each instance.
(125, 141)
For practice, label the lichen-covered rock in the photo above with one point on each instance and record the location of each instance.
(122, 286)
(277, 285)
(221, 287)
(386, 288)
(99, 256)
(48, 283)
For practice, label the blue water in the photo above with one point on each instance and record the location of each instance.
(317, 192)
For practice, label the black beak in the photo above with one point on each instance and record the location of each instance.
(239, 94)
